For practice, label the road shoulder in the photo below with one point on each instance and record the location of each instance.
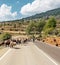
(3, 51)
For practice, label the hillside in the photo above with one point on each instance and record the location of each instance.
(54, 12)
(19, 26)
(46, 15)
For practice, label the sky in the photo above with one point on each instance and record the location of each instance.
(17, 9)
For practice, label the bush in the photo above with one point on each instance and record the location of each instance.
(56, 44)
(2, 28)
(16, 29)
(49, 26)
(10, 29)
(6, 36)
(58, 35)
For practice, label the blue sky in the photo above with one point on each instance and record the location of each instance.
(16, 9)
(16, 5)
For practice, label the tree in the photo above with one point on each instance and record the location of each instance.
(50, 25)
(30, 28)
(55, 32)
(14, 25)
(40, 26)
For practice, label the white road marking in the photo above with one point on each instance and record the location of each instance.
(5, 54)
(46, 55)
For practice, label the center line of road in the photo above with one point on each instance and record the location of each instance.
(5, 54)
(46, 55)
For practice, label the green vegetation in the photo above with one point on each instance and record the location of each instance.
(31, 28)
(6, 36)
(50, 25)
(40, 26)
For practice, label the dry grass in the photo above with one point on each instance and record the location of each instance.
(50, 40)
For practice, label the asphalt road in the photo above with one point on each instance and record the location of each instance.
(28, 54)
(52, 51)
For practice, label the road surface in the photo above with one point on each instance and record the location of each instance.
(52, 51)
(28, 54)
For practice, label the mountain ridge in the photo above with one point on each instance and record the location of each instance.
(53, 12)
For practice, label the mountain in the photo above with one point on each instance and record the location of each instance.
(54, 12)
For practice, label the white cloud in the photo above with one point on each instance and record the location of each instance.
(6, 14)
(38, 6)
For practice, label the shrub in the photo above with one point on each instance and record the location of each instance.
(50, 26)
(16, 29)
(56, 44)
(6, 36)
(2, 28)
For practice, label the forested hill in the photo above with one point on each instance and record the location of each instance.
(54, 12)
